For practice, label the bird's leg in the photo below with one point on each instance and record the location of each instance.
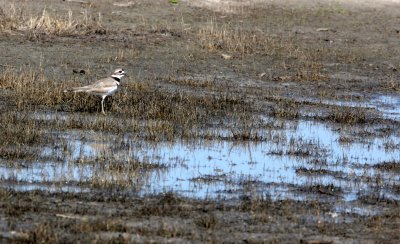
(102, 105)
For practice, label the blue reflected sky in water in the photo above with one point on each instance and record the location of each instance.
(253, 161)
(229, 162)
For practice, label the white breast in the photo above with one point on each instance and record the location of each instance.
(112, 90)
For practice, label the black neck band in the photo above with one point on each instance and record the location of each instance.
(116, 79)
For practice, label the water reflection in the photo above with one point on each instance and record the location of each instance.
(388, 105)
(213, 168)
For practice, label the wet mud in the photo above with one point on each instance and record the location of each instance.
(237, 122)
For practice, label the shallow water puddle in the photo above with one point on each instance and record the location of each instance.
(388, 105)
(303, 161)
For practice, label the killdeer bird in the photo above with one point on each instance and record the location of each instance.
(103, 88)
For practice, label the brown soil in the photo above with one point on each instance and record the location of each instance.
(276, 59)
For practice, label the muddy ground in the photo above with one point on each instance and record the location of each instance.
(195, 68)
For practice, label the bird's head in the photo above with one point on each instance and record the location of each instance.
(118, 73)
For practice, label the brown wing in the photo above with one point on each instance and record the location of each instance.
(99, 86)
(106, 82)
(101, 90)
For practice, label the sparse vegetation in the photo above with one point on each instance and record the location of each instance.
(389, 166)
(13, 18)
(238, 121)
(348, 115)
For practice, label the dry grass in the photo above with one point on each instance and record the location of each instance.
(348, 115)
(286, 109)
(309, 68)
(11, 19)
(29, 88)
(118, 218)
(393, 166)
(142, 108)
(300, 61)
(18, 19)
(216, 36)
(18, 132)
(38, 114)
(120, 56)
